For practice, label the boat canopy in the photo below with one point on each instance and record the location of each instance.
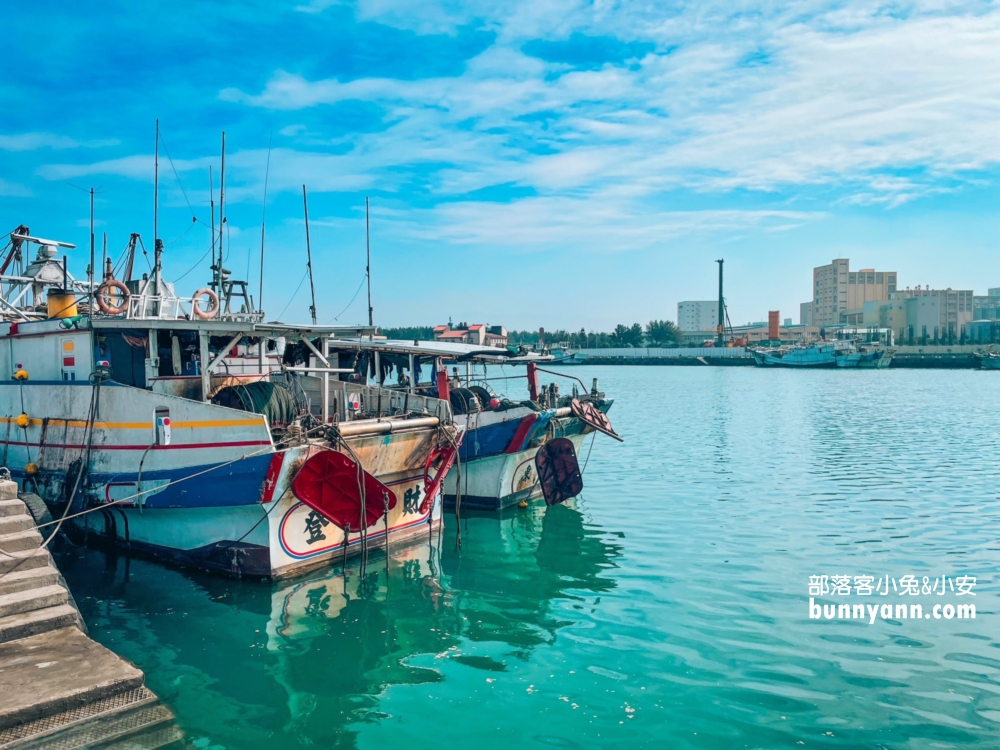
(444, 349)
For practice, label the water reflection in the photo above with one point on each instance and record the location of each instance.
(249, 664)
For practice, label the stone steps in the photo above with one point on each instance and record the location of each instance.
(14, 507)
(23, 579)
(20, 541)
(59, 689)
(27, 624)
(29, 600)
(15, 523)
(99, 733)
(36, 558)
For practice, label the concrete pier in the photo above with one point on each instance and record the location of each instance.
(59, 688)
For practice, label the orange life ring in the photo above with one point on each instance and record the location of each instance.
(213, 300)
(104, 297)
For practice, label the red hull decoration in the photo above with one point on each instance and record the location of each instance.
(328, 483)
(447, 457)
(587, 412)
(558, 471)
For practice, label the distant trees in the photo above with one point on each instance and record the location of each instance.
(627, 335)
(656, 333)
(663, 333)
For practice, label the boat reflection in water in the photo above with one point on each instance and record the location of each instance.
(256, 664)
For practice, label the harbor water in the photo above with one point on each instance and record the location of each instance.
(667, 607)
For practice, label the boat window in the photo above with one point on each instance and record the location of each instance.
(126, 352)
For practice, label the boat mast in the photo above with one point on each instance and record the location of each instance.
(217, 271)
(309, 261)
(263, 217)
(90, 269)
(157, 244)
(211, 203)
(368, 265)
(156, 179)
(722, 309)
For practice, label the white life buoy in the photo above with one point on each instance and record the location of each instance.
(104, 297)
(213, 304)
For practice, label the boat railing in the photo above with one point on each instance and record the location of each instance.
(346, 401)
(169, 307)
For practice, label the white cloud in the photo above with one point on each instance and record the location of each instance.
(880, 105)
(32, 141)
(846, 94)
(14, 189)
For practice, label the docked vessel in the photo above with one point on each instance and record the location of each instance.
(819, 354)
(988, 360)
(200, 435)
(501, 436)
(865, 357)
(840, 353)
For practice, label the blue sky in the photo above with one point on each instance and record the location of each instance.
(549, 162)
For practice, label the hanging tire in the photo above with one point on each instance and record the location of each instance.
(36, 507)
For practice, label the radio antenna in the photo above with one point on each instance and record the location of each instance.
(368, 265)
(309, 257)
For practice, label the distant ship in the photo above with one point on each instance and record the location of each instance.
(824, 354)
(989, 360)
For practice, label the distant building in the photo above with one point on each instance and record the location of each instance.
(479, 334)
(923, 315)
(702, 315)
(988, 307)
(839, 294)
(754, 333)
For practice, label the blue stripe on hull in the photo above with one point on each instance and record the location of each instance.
(236, 484)
(490, 440)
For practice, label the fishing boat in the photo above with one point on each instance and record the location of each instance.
(502, 436)
(813, 355)
(189, 429)
(988, 360)
(865, 357)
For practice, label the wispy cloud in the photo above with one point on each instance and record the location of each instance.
(32, 141)
(14, 189)
(841, 95)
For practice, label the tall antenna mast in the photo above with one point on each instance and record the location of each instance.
(211, 203)
(368, 265)
(157, 243)
(263, 216)
(222, 215)
(309, 257)
(156, 179)
(722, 310)
(104, 254)
(90, 269)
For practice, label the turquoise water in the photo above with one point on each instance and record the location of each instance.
(667, 607)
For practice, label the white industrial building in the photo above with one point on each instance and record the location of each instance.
(701, 315)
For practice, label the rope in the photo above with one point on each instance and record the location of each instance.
(337, 316)
(294, 294)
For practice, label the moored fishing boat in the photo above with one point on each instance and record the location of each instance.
(813, 355)
(988, 360)
(865, 357)
(201, 435)
(501, 436)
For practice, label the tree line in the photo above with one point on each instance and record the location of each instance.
(656, 333)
